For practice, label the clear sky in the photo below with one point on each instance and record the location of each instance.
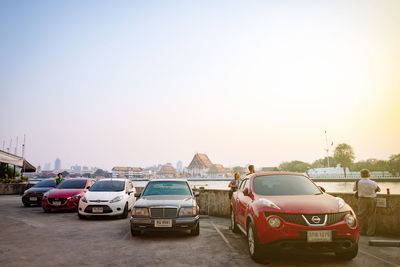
(135, 83)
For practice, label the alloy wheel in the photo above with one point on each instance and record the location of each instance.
(250, 238)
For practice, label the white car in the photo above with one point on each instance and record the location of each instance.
(109, 197)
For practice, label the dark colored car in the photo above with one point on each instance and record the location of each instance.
(66, 195)
(34, 194)
(165, 204)
(284, 210)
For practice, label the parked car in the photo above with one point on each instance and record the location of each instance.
(108, 197)
(165, 204)
(34, 194)
(284, 210)
(66, 195)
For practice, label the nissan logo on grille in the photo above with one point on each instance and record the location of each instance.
(315, 219)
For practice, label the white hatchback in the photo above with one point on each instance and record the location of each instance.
(109, 197)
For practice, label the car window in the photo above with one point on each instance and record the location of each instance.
(108, 186)
(72, 184)
(276, 185)
(167, 188)
(46, 183)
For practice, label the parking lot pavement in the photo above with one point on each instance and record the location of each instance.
(28, 236)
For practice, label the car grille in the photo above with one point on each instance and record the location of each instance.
(106, 209)
(163, 212)
(299, 218)
(63, 200)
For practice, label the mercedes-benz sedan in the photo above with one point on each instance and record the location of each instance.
(165, 204)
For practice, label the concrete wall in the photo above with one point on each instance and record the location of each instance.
(216, 203)
(14, 189)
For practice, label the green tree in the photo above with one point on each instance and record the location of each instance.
(323, 163)
(394, 164)
(239, 169)
(344, 155)
(295, 166)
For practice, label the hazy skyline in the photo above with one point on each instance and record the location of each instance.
(136, 83)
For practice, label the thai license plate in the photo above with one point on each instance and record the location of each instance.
(163, 223)
(33, 198)
(57, 203)
(97, 209)
(319, 236)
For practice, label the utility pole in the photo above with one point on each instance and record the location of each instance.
(327, 147)
(16, 147)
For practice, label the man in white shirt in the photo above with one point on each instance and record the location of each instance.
(366, 203)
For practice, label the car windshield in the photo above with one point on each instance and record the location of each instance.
(167, 188)
(284, 185)
(106, 186)
(46, 183)
(72, 184)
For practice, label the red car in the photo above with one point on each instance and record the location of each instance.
(285, 210)
(66, 195)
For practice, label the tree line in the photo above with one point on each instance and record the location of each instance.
(344, 155)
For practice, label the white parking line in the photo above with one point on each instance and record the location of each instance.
(222, 236)
(383, 260)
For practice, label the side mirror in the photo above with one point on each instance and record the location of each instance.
(137, 195)
(246, 191)
(196, 193)
(322, 189)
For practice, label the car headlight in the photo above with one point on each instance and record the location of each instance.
(140, 212)
(187, 211)
(274, 222)
(75, 196)
(268, 203)
(116, 199)
(83, 199)
(340, 202)
(350, 220)
(25, 192)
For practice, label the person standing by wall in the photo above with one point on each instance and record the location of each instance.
(234, 184)
(366, 202)
(59, 179)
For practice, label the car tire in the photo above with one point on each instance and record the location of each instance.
(234, 226)
(254, 245)
(80, 216)
(124, 215)
(47, 210)
(348, 255)
(135, 232)
(26, 204)
(195, 231)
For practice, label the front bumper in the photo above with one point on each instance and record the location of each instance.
(69, 204)
(183, 223)
(109, 209)
(26, 199)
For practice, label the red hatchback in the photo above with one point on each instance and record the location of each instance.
(66, 195)
(284, 210)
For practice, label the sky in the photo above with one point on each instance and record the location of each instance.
(137, 83)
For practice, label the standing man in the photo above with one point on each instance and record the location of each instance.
(59, 179)
(251, 170)
(366, 202)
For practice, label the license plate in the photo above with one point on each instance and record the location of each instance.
(97, 209)
(57, 203)
(33, 198)
(163, 223)
(319, 236)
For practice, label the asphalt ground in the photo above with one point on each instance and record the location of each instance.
(30, 237)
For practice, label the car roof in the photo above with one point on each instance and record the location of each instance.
(277, 173)
(168, 180)
(113, 179)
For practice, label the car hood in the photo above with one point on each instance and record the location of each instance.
(313, 204)
(165, 200)
(92, 196)
(38, 189)
(63, 193)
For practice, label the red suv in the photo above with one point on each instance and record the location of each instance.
(286, 210)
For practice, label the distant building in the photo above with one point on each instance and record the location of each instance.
(127, 172)
(76, 168)
(85, 168)
(47, 166)
(217, 171)
(167, 171)
(57, 164)
(179, 166)
(199, 165)
(39, 169)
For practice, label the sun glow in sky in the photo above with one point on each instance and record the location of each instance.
(135, 83)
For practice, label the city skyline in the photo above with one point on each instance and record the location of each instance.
(139, 83)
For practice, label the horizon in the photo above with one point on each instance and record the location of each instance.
(138, 84)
